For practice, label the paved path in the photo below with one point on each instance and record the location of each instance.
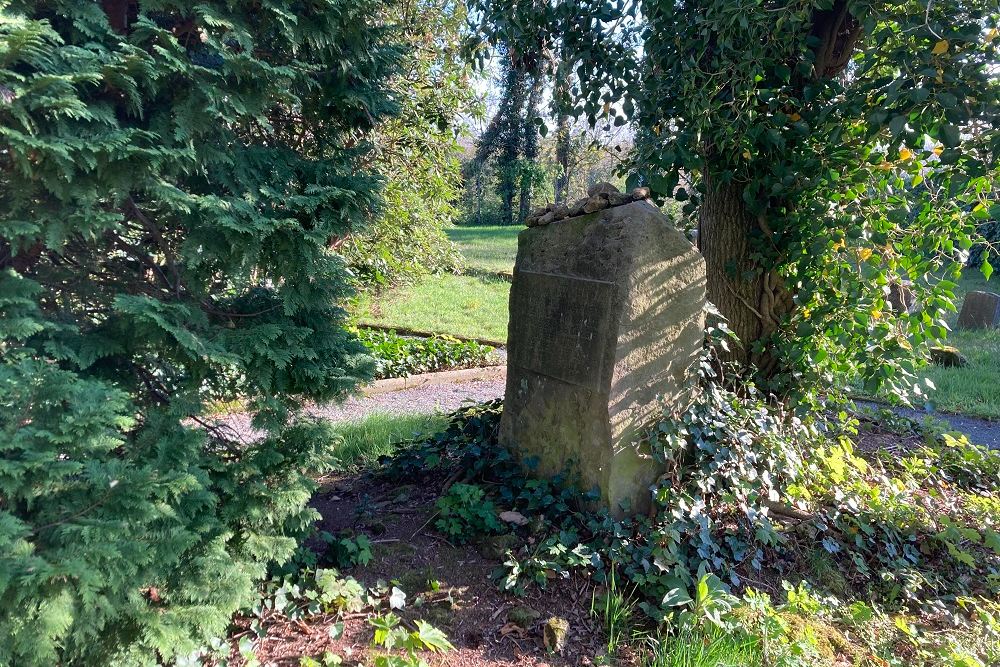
(979, 431)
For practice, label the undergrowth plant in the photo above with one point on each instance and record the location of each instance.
(753, 495)
(400, 356)
(305, 593)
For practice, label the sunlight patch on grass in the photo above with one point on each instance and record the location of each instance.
(973, 390)
(711, 647)
(487, 248)
(379, 434)
(462, 305)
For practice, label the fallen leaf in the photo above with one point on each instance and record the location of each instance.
(512, 629)
(513, 517)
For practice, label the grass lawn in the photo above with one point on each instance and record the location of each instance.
(487, 248)
(975, 389)
(473, 306)
(378, 435)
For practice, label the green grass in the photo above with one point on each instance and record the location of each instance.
(711, 647)
(975, 389)
(487, 248)
(473, 306)
(379, 434)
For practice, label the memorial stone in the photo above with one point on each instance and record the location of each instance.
(981, 310)
(606, 324)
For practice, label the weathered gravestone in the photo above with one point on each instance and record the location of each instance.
(606, 318)
(981, 310)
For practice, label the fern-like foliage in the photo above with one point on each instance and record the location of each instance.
(171, 176)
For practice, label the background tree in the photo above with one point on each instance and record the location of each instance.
(418, 150)
(509, 144)
(837, 147)
(170, 177)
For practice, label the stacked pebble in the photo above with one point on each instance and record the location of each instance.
(599, 196)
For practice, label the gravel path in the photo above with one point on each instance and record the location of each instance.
(442, 397)
(450, 397)
(979, 431)
(426, 400)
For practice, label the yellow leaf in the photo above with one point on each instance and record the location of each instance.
(938, 150)
(991, 35)
(795, 117)
(746, 154)
(839, 244)
(884, 166)
(607, 108)
(656, 130)
(876, 314)
(864, 253)
(940, 47)
(905, 154)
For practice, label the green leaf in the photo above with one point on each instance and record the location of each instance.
(950, 135)
(432, 638)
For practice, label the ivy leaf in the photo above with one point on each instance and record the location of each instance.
(677, 595)
(991, 539)
(950, 135)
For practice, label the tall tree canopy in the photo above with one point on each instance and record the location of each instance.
(417, 151)
(170, 177)
(839, 147)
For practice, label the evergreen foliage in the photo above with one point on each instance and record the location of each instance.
(170, 178)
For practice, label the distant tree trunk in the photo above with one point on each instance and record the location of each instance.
(530, 145)
(563, 86)
(562, 157)
(510, 142)
(752, 300)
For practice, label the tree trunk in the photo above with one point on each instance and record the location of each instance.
(564, 85)
(562, 157)
(530, 145)
(751, 297)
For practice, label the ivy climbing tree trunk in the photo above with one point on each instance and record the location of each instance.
(530, 143)
(724, 227)
(562, 158)
(751, 297)
(563, 87)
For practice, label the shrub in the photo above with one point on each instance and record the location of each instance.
(418, 150)
(400, 356)
(171, 177)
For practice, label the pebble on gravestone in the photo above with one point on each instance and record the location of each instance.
(607, 315)
(981, 310)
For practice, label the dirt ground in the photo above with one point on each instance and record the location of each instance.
(467, 605)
